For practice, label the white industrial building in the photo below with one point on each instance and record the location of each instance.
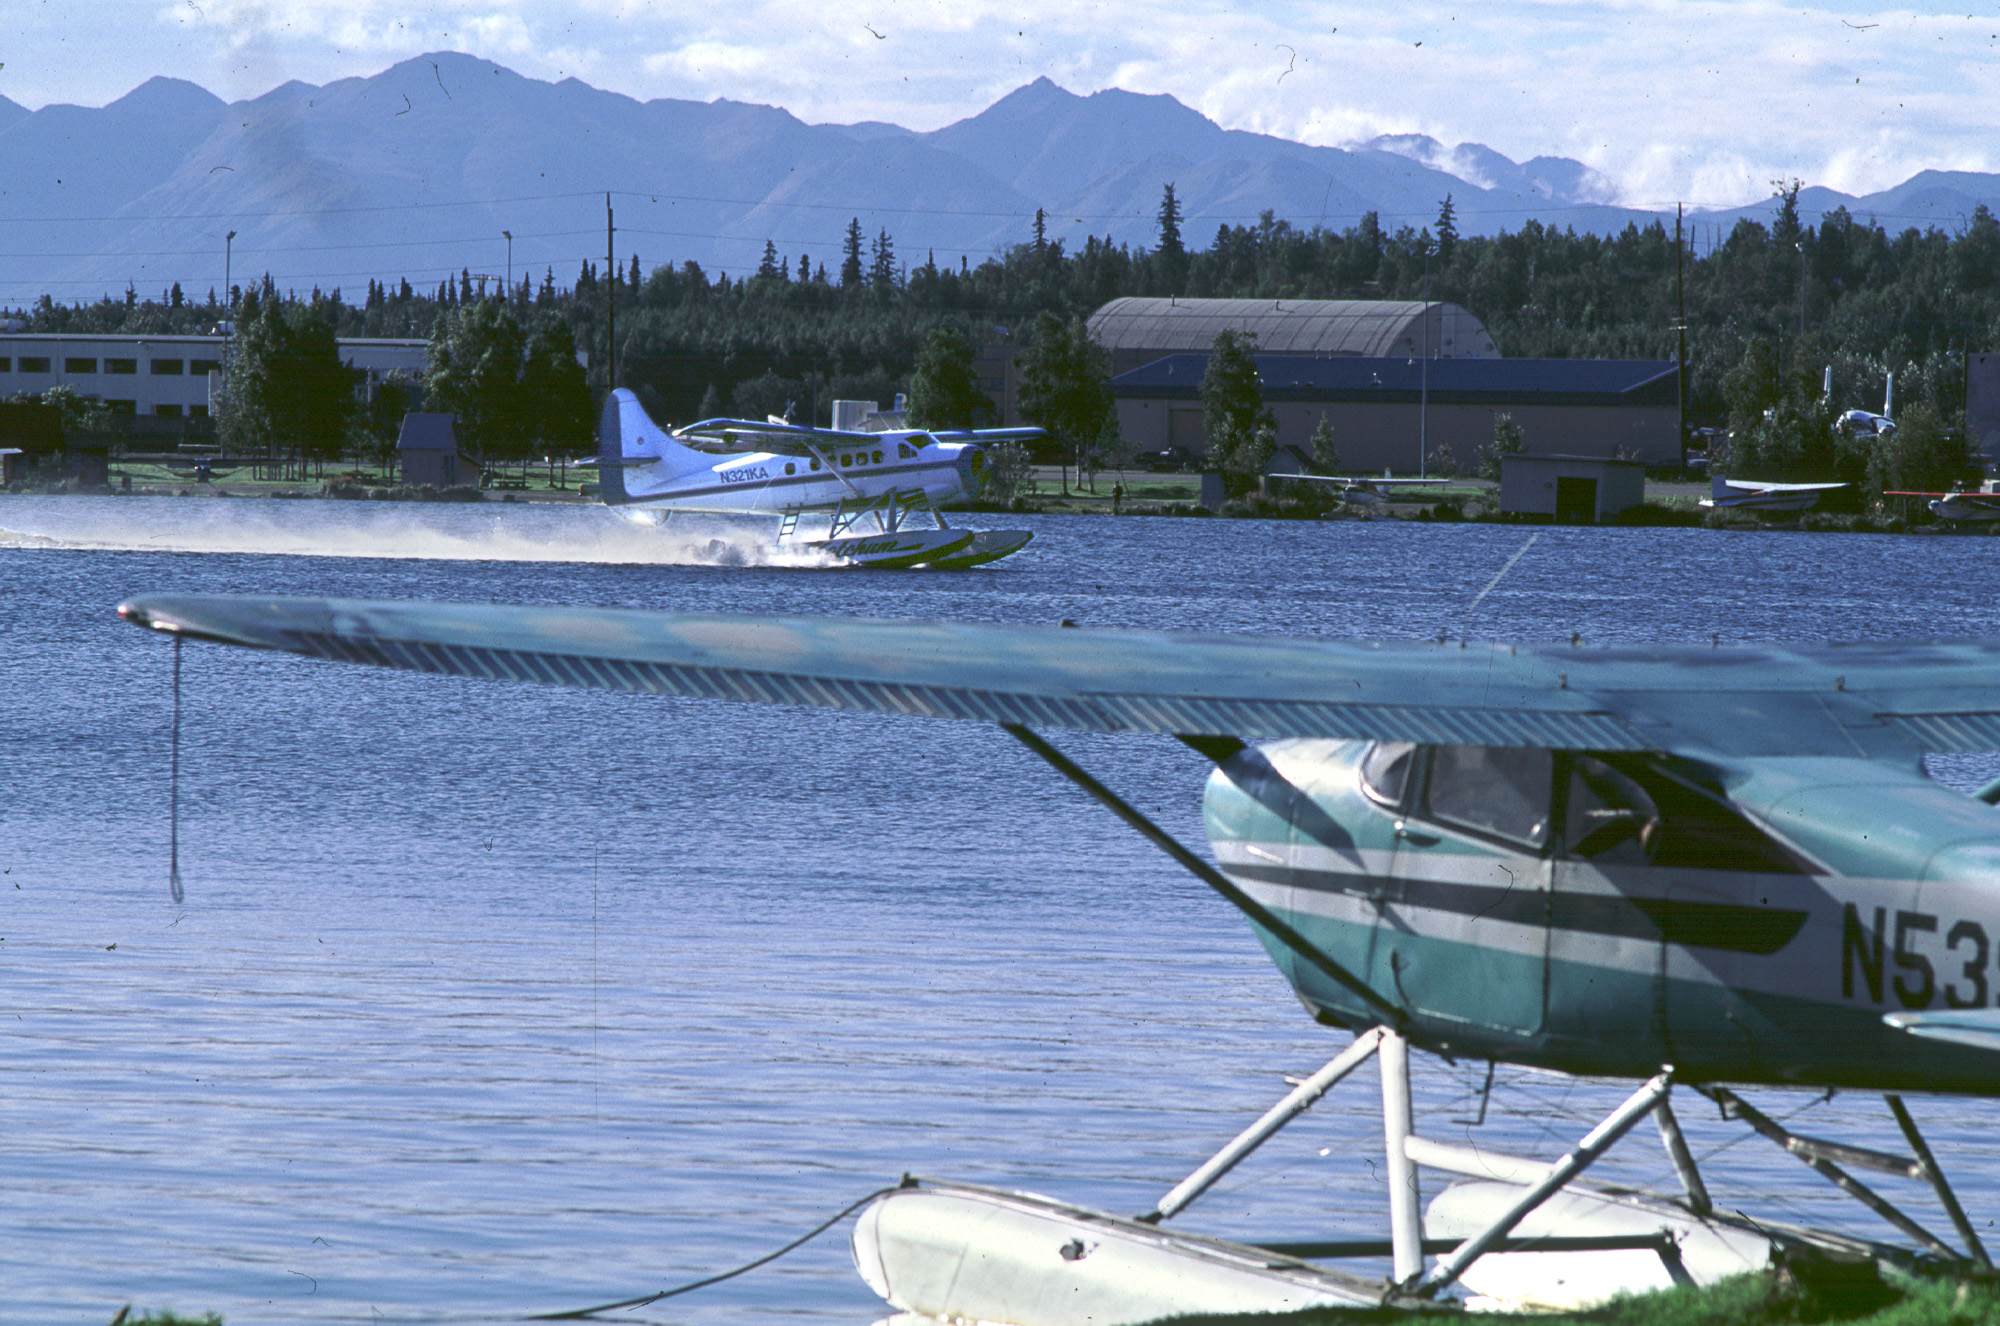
(165, 377)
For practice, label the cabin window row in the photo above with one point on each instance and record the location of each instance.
(851, 458)
(1610, 808)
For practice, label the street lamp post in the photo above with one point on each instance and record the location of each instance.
(229, 304)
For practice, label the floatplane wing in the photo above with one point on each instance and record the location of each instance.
(1876, 700)
(1757, 495)
(1586, 860)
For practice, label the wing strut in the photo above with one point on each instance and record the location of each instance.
(1207, 874)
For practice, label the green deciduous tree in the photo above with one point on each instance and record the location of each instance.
(1010, 472)
(1065, 386)
(943, 392)
(554, 396)
(1325, 455)
(1922, 455)
(1242, 435)
(288, 396)
(1507, 441)
(474, 372)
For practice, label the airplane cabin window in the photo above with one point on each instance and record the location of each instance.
(1608, 818)
(877, 458)
(1699, 830)
(1385, 770)
(815, 465)
(1501, 790)
(791, 468)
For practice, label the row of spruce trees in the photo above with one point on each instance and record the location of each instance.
(1768, 309)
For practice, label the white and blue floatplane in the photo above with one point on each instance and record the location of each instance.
(879, 494)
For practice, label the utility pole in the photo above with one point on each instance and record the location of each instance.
(1424, 377)
(1801, 247)
(510, 263)
(610, 302)
(1681, 327)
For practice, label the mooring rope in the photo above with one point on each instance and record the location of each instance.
(692, 1285)
(174, 789)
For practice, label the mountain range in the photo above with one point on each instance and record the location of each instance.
(417, 171)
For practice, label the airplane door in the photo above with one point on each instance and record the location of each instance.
(1464, 919)
(1605, 957)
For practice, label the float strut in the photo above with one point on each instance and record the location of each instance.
(1594, 1144)
(1677, 1151)
(1815, 1154)
(1406, 1221)
(1301, 1099)
(1946, 1198)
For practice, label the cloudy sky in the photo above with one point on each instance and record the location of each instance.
(1701, 102)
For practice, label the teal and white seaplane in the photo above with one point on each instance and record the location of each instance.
(862, 499)
(1718, 869)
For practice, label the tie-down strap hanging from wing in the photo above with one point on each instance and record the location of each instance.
(1878, 700)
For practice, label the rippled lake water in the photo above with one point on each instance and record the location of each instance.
(488, 1000)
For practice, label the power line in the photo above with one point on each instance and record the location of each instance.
(311, 248)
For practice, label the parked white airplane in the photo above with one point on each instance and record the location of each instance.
(867, 486)
(1975, 507)
(1757, 495)
(1369, 492)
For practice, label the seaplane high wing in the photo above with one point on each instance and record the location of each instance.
(1364, 490)
(1592, 859)
(868, 487)
(1704, 866)
(1756, 495)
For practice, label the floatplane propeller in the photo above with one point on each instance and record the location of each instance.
(1713, 868)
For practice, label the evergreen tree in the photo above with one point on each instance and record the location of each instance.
(943, 392)
(882, 266)
(1170, 226)
(851, 271)
(1171, 253)
(769, 270)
